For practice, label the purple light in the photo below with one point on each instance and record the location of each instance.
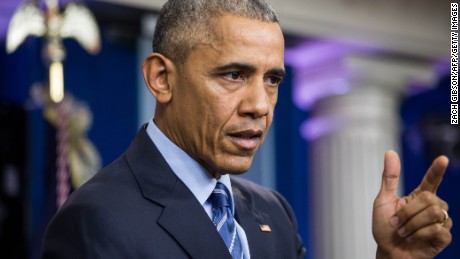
(442, 67)
(3, 27)
(8, 7)
(305, 97)
(319, 70)
(311, 54)
(319, 126)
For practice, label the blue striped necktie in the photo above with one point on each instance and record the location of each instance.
(223, 219)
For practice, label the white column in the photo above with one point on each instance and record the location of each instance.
(349, 133)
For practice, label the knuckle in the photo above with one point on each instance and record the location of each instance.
(437, 228)
(427, 197)
(449, 224)
(435, 212)
(446, 238)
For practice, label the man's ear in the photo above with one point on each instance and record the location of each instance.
(157, 70)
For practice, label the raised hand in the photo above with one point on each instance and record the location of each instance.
(415, 226)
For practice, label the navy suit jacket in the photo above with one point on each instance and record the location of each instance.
(138, 208)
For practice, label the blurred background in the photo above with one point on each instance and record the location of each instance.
(363, 77)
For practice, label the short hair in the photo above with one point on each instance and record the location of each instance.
(183, 24)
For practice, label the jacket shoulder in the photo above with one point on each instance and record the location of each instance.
(258, 192)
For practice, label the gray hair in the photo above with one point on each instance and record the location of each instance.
(183, 24)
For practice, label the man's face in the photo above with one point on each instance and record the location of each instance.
(225, 93)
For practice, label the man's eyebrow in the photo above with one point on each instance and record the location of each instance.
(236, 66)
(280, 72)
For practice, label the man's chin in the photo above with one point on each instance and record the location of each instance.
(234, 172)
(231, 167)
(237, 170)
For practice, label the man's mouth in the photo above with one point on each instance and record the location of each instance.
(247, 139)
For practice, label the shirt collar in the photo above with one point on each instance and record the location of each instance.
(195, 177)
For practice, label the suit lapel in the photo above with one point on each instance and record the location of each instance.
(251, 220)
(188, 223)
(183, 217)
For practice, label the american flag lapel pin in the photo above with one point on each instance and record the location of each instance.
(265, 228)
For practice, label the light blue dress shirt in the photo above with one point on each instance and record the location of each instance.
(196, 178)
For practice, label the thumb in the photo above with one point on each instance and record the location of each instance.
(390, 175)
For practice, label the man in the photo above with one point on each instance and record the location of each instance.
(215, 72)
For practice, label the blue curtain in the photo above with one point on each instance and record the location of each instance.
(292, 156)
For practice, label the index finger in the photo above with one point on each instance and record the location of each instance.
(433, 176)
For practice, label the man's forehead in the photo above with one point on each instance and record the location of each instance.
(240, 40)
(232, 28)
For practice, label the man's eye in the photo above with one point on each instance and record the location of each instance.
(273, 80)
(234, 76)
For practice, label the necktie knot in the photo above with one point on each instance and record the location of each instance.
(220, 196)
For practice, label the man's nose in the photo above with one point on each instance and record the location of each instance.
(256, 100)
